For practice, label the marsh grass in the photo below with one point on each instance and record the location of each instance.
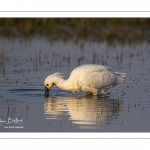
(95, 29)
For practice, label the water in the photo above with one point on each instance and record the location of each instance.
(24, 64)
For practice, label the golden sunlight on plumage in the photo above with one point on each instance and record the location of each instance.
(90, 79)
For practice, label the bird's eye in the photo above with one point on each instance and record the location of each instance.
(46, 84)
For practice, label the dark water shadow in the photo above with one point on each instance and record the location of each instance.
(28, 92)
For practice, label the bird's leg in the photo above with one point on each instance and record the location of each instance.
(102, 92)
(95, 92)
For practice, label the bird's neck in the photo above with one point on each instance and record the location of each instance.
(63, 84)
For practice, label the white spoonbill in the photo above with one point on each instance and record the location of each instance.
(89, 79)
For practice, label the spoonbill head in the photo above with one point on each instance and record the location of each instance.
(90, 79)
(51, 81)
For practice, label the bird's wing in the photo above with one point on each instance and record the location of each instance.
(97, 77)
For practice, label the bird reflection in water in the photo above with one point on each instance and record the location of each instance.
(84, 111)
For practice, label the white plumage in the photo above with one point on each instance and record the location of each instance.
(90, 79)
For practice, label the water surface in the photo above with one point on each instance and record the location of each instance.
(24, 64)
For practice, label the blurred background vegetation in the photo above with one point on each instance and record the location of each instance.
(94, 29)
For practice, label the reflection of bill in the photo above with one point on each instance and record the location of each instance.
(10, 121)
(87, 110)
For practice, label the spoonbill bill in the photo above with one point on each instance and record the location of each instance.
(89, 79)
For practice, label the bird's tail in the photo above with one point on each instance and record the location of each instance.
(121, 76)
